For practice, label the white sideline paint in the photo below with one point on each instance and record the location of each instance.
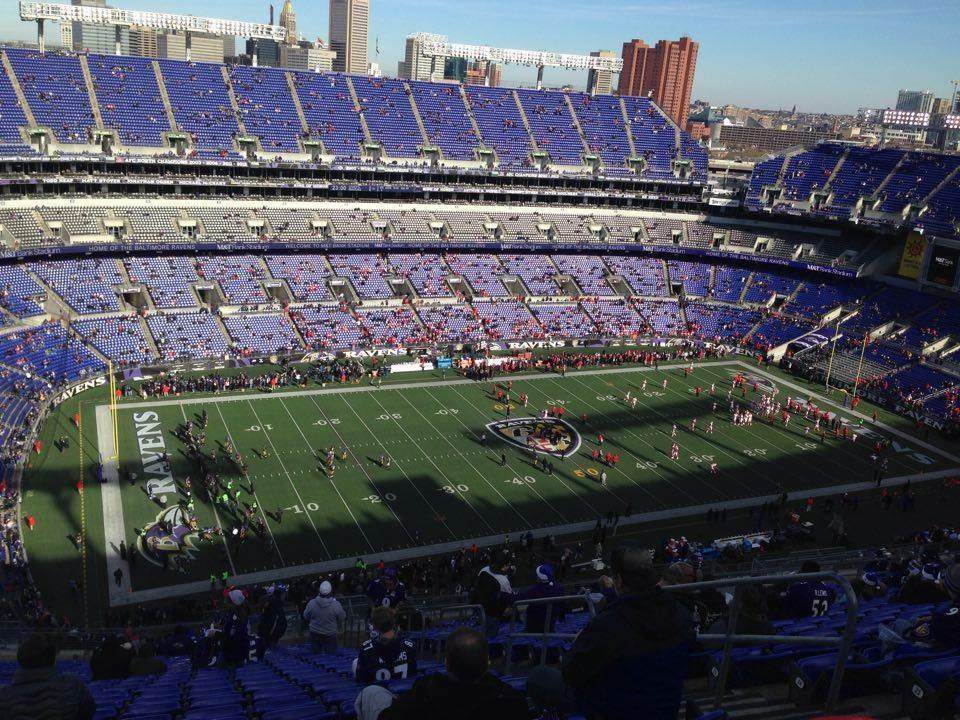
(113, 511)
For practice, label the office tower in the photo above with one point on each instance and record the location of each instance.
(349, 30)
(418, 66)
(288, 20)
(600, 82)
(915, 101)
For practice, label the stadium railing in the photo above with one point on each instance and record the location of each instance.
(729, 639)
(545, 636)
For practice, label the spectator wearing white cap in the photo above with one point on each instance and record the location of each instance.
(326, 617)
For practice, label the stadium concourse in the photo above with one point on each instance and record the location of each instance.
(290, 355)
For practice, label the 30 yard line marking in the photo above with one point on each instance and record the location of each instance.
(332, 483)
(532, 487)
(290, 480)
(436, 514)
(216, 515)
(437, 467)
(255, 497)
(472, 466)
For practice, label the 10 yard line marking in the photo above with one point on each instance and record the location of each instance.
(332, 483)
(216, 515)
(290, 480)
(255, 497)
(363, 469)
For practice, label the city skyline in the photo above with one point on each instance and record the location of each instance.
(794, 62)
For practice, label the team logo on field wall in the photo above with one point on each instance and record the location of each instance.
(170, 534)
(544, 436)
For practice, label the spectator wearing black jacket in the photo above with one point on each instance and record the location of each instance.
(492, 590)
(630, 661)
(467, 691)
(39, 692)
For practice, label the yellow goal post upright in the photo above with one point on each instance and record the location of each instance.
(113, 410)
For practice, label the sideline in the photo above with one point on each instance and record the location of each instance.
(113, 525)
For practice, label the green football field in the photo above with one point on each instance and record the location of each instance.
(444, 486)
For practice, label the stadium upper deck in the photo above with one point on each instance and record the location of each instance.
(68, 103)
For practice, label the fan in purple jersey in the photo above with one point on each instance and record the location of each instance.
(807, 598)
(387, 590)
(385, 656)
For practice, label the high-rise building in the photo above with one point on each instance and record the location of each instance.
(664, 72)
(143, 42)
(266, 50)
(481, 72)
(306, 55)
(100, 39)
(203, 48)
(600, 82)
(66, 35)
(418, 66)
(915, 101)
(349, 31)
(455, 68)
(288, 20)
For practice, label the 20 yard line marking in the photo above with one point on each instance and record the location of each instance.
(399, 467)
(290, 480)
(332, 483)
(363, 469)
(436, 467)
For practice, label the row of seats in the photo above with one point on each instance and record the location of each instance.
(130, 101)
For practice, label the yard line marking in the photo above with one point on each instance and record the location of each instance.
(472, 466)
(557, 476)
(437, 467)
(436, 514)
(805, 457)
(660, 414)
(255, 497)
(332, 483)
(532, 487)
(373, 484)
(656, 471)
(619, 370)
(216, 515)
(290, 480)
(394, 556)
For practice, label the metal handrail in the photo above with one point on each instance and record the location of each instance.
(546, 634)
(730, 638)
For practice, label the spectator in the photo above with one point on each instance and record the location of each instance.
(326, 617)
(467, 691)
(807, 598)
(920, 587)
(385, 656)
(236, 628)
(146, 662)
(111, 661)
(630, 661)
(545, 587)
(493, 591)
(38, 692)
(273, 619)
(939, 630)
(752, 618)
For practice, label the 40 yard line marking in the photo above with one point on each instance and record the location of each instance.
(472, 466)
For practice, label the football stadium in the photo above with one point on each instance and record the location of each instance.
(328, 394)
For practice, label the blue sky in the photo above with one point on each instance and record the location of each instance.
(822, 55)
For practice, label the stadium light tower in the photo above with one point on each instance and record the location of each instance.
(120, 18)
